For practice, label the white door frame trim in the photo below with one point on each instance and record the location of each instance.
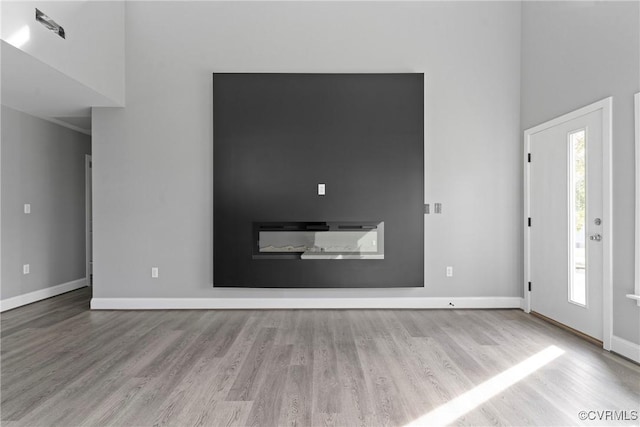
(606, 105)
(88, 212)
(636, 256)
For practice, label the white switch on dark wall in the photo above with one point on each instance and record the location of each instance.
(27, 208)
(322, 188)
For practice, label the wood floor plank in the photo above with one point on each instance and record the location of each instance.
(326, 385)
(63, 368)
(109, 372)
(246, 383)
(268, 400)
(303, 339)
(225, 334)
(401, 371)
(296, 406)
(358, 407)
(433, 379)
(64, 365)
(386, 396)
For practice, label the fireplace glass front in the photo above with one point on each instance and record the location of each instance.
(319, 240)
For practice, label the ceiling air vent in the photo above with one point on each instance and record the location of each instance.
(49, 23)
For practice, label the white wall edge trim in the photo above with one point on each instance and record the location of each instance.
(57, 122)
(636, 113)
(65, 125)
(24, 299)
(300, 303)
(625, 348)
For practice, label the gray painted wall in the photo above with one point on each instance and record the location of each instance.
(42, 164)
(576, 53)
(153, 159)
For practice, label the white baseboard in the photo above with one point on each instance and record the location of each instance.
(300, 303)
(625, 348)
(20, 300)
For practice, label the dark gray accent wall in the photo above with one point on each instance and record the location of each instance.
(277, 136)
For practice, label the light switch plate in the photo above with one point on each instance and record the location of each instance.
(154, 272)
(27, 208)
(322, 189)
(25, 269)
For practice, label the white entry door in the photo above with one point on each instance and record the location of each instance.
(566, 221)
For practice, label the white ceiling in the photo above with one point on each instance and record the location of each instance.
(36, 88)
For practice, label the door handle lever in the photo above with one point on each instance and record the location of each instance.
(596, 237)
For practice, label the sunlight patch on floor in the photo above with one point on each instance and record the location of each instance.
(454, 409)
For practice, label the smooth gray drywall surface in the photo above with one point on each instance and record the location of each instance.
(43, 165)
(573, 54)
(153, 159)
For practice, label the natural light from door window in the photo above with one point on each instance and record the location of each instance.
(466, 402)
(577, 214)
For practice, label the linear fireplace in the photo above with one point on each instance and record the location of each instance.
(319, 240)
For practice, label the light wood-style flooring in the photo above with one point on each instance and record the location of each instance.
(65, 365)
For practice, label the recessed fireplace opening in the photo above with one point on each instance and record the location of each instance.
(318, 240)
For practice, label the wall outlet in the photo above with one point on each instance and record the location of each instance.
(449, 271)
(27, 208)
(322, 189)
(25, 269)
(154, 272)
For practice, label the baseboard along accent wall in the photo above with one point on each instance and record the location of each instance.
(301, 303)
